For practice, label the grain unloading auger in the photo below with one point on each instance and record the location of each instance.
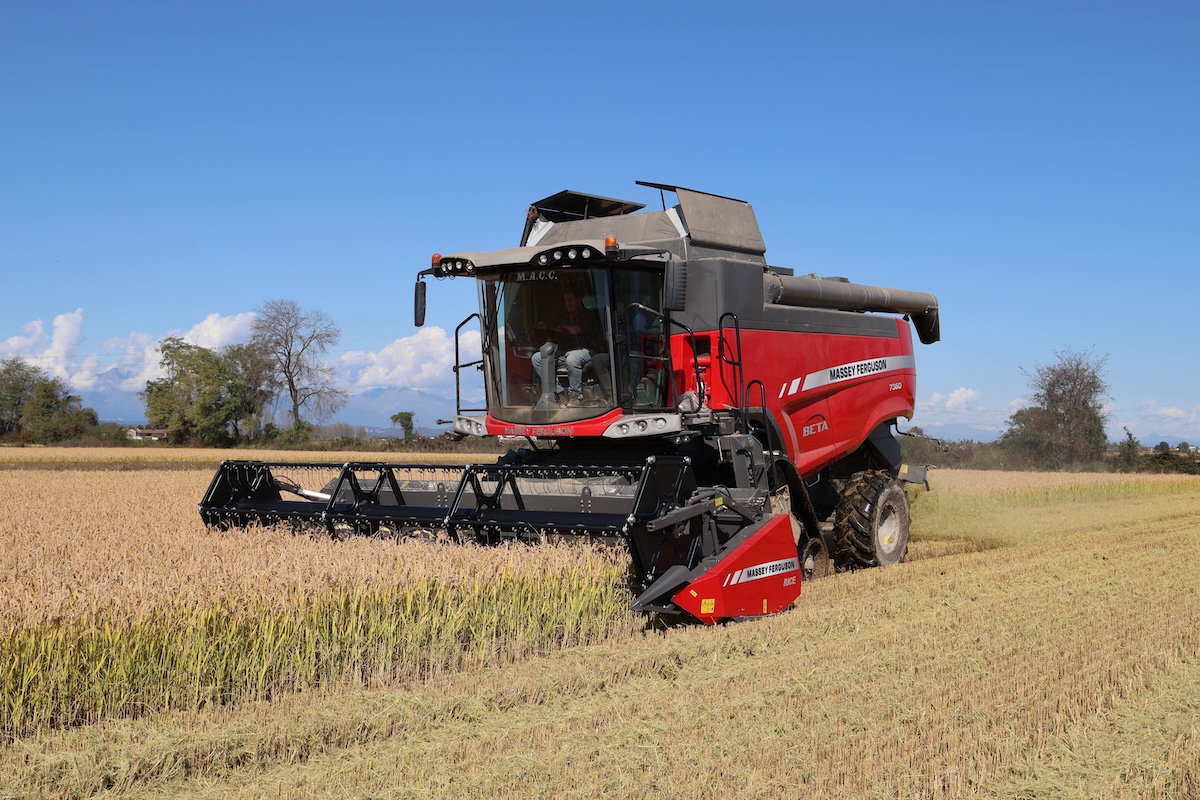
(727, 422)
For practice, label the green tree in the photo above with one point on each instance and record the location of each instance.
(39, 408)
(53, 414)
(16, 385)
(1162, 447)
(1185, 448)
(405, 420)
(1065, 422)
(294, 341)
(252, 384)
(188, 400)
(207, 397)
(1128, 452)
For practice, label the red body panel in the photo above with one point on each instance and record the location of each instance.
(828, 391)
(761, 576)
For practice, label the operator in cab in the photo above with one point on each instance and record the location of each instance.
(574, 340)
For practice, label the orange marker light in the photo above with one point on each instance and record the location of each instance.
(437, 259)
(610, 243)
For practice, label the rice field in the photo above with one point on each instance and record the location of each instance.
(1042, 641)
(115, 601)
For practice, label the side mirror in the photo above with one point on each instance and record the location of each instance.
(675, 286)
(419, 304)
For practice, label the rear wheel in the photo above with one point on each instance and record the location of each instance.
(871, 522)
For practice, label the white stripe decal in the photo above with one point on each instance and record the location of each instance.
(765, 570)
(849, 371)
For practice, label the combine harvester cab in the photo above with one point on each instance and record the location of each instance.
(727, 422)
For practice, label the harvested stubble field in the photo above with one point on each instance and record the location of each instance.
(1042, 641)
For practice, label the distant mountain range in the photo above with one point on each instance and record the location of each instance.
(114, 403)
(374, 408)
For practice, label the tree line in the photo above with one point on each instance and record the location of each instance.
(205, 397)
(226, 396)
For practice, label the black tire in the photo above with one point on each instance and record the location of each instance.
(871, 522)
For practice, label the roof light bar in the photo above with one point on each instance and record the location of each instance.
(452, 266)
(564, 256)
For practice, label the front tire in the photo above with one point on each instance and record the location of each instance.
(871, 522)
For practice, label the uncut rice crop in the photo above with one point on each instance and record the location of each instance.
(116, 601)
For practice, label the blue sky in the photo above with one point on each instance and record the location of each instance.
(167, 168)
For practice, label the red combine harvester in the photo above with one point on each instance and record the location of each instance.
(727, 421)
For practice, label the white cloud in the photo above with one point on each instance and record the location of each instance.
(137, 360)
(216, 331)
(68, 335)
(958, 400)
(1153, 410)
(127, 361)
(961, 396)
(421, 361)
(1151, 419)
(960, 414)
(34, 341)
(52, 352)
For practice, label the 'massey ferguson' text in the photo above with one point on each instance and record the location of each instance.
(855, 370)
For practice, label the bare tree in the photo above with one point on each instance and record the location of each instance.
(295, 340)
(1065, 423)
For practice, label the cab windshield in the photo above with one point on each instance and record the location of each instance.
(567, 344)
